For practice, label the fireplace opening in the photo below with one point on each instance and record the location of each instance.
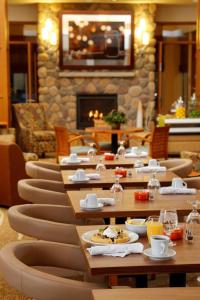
(90, 106)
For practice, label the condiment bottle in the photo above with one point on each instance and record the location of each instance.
(180, 108)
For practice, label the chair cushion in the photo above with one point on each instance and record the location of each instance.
(43, 135)
(79, 149)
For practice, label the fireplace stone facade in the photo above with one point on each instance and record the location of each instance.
(59, 90)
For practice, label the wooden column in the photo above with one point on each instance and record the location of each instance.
(198, 53)
(4, 66)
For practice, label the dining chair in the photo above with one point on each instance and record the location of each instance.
(193, 182)
(43, 170)
(64, 143)
(156, 141)
(46, 270)
(42, 191)
(54, 223)
(180, 166)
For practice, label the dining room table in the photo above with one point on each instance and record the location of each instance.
(107, 178)
(116, 134)
(129, 207)
(87, 163)
(164, 293)
(186, 259)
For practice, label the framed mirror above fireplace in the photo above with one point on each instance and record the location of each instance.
(96, 40)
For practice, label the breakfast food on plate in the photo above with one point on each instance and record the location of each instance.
(110, 235)
(136, 222)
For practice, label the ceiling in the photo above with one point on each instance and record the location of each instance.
(181, 2)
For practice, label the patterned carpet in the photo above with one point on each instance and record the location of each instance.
(8, 235)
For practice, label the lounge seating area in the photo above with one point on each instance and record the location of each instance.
(99, 150)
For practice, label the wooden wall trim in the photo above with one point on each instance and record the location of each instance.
(4, 73)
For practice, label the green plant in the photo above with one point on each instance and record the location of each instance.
(194, 113)
(115, 117)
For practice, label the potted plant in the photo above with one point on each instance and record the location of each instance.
(115, 119)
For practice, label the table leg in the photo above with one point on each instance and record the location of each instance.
(177, 279)
(114, 143)
(141, 281)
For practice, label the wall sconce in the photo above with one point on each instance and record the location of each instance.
(141, 34)
(48, 34)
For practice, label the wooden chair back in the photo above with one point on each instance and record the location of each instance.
(62, 141)
(159, 142)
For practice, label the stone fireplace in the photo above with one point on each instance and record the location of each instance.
(59, 89)
(95, 104)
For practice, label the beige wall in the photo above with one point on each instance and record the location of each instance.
(17, 13)
(176, 13)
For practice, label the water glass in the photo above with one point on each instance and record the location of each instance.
(117, 190)
(170, 220)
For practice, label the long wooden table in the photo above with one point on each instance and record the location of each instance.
(186, 260)
(138, 180)
(110, 164)
(191, 293)
(131, 208)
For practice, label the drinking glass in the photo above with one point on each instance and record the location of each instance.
(193, 223)
(92, 151)
(153, 186)
(170, 220)
(154, 227)
(121, 150)
(100, 167)
(192, 230)
(117, 190)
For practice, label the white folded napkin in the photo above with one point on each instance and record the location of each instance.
(147, 169)
(134, 155)
(104, 201)
(66, 160)
(116, 250)
(73, 177)
(84, 159)
(107, 201)
(172, 190)
(93, 176)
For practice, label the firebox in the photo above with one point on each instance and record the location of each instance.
(90, 106)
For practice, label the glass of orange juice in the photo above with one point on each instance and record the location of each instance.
(154, 227)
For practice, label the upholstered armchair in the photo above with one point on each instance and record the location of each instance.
(34, 134)
(12, 170)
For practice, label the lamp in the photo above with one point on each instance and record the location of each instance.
(141, 33)
(48, 34)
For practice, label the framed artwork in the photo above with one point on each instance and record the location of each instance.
(96, 40)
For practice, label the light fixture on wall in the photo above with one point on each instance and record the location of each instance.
(48, 33)
(141, 33)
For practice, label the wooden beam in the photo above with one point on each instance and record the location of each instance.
(198, 53)
(4, 71)
(177, 2)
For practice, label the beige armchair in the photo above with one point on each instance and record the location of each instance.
(41, 270)
(34, 134)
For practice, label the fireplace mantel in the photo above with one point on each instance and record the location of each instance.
(97, 74)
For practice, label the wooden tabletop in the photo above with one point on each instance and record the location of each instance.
(113, 131)
(147, 294)
(107, 179)
(131, 208)
(186, 260)
(110, 164)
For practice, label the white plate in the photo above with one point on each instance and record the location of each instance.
(86, 237)
(99, 207)
(148, 252)
(74, 179)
